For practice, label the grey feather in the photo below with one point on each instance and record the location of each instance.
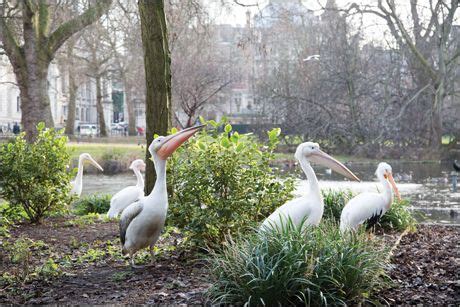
(126, 217)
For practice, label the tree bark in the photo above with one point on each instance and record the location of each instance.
(157, 63)
(129, 107)
(70, 124)
(100, 108)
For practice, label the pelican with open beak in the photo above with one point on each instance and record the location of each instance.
(309, 208)
(368, 208)
(77, 184)
(142, 222)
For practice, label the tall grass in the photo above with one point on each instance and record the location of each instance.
(95, 203)
(398, 217)
(296, 265)
(334, 201)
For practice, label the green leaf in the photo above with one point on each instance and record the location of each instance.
(173, 130)
(40, 126)
(214, 123)
(225, 142)
(228, 128)
(202, 120)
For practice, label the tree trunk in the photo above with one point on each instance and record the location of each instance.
(157, 63)
(35, 103)
(70, 124)
(130, 108)
(100, 108)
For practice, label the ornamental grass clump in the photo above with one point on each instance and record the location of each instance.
(296, 265)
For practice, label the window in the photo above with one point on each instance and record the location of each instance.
(77, 114)
(18, 104)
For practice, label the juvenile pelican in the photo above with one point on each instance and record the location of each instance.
(77, 184)
(370, 207)
(130, 194)
(311, 206)
(141, 222)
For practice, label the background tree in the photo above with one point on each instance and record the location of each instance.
(31, 39)
(157, 63)
(427, 43)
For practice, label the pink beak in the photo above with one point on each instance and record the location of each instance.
(172, 142)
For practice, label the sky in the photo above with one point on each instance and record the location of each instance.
(374, 28)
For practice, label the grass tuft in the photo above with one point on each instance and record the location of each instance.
(296, 265)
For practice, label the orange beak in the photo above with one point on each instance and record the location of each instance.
(389, 176)
(172, 142)
(324, 159)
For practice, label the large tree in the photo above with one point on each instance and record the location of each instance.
(427, 40)
(157, 62)
(31, 38)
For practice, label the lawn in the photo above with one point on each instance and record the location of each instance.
(107, 150)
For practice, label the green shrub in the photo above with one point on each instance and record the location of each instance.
(399, 217)
(334, 201)
(34, 176)
(221, 184)
(92, 204)
(296, 266)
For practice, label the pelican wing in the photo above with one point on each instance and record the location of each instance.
(127, 216)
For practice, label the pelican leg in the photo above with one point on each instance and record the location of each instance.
(152, 255)
(131, 262)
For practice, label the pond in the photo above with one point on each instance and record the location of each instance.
(426, 184)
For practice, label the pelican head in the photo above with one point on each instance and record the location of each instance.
(87, 157)
(138, 164)
(164, 146)
(384, 171)
(311, 152)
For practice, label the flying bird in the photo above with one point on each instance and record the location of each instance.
(368, 208)
(142, 222)
(77, 184)
(128, 195)
(309, 208)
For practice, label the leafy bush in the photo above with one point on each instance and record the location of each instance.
(296, 265)
(399, 217)
(222, 183)
(334, 201)
(92, 204)
(33, 176)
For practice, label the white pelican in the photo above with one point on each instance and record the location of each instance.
(142, 222)
(130, 194)
(311, 206)
(77, 184)
(370, 207)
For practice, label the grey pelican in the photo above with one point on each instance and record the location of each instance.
(370, 207)
(142, 222)
(77, 184)
(128, 195)
(310, 207)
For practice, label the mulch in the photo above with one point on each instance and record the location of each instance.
(424, 270)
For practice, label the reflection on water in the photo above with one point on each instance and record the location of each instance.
(426, 184)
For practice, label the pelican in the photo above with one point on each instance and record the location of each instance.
(77, 184)
(130, 194)
(142, 221)
(310, 207)
(370, 207)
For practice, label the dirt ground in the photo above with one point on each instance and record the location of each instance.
(424, 268)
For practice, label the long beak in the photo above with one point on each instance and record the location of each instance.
(93, 162)
(393, 184)
(172, 142)
(324, 159)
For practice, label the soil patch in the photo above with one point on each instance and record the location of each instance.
(424, 268)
